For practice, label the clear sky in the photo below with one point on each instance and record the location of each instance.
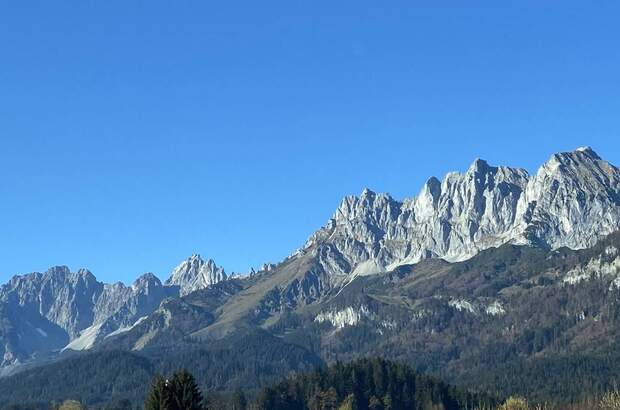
(135, 133)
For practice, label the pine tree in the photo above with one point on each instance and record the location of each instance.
(158, 397)
(316, 401)
(267, 399)
(71, 405)
(349, 403)
(388, 402)
(374, 403)
(239, 402)
(184, 392)
(330, 399)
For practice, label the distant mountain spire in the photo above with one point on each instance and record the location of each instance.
(194, 273)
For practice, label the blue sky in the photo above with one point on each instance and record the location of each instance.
(134, 134)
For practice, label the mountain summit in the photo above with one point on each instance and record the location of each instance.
(59, 310)
(195, 273)
(572, 201)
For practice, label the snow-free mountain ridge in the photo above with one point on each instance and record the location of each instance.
(572, 201)
(60, 310)
(195, 273)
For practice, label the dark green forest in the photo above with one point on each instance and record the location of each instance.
(120, 380)
(367, 384)
(100, 377)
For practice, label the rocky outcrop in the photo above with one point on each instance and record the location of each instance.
(573, 200)
(195, 273)
(46, 312)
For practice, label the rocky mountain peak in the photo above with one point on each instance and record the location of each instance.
(425, 204)
(58, 271)
(195, 273)
(588, 151)
(581, 171)
(86, 275)
(362, 206)
(573, 200)
(146, 280)
(367, 193)
(478, 166)
(579, 163)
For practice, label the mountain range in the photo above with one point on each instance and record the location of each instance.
(58, 310)
(489, 262)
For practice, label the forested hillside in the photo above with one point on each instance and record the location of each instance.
(101, 377)
(367, 384)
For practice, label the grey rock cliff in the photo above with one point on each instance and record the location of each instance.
(195, 273)
(45, 312)
(573, 200)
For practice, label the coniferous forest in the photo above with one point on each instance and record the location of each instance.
(371, 384)
(365, 384)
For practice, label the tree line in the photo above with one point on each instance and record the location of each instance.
(367, 384)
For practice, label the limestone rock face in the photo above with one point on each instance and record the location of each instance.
(195, 273)
(43, 313)
(573, 200)
(46, 312)
(64, 298)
